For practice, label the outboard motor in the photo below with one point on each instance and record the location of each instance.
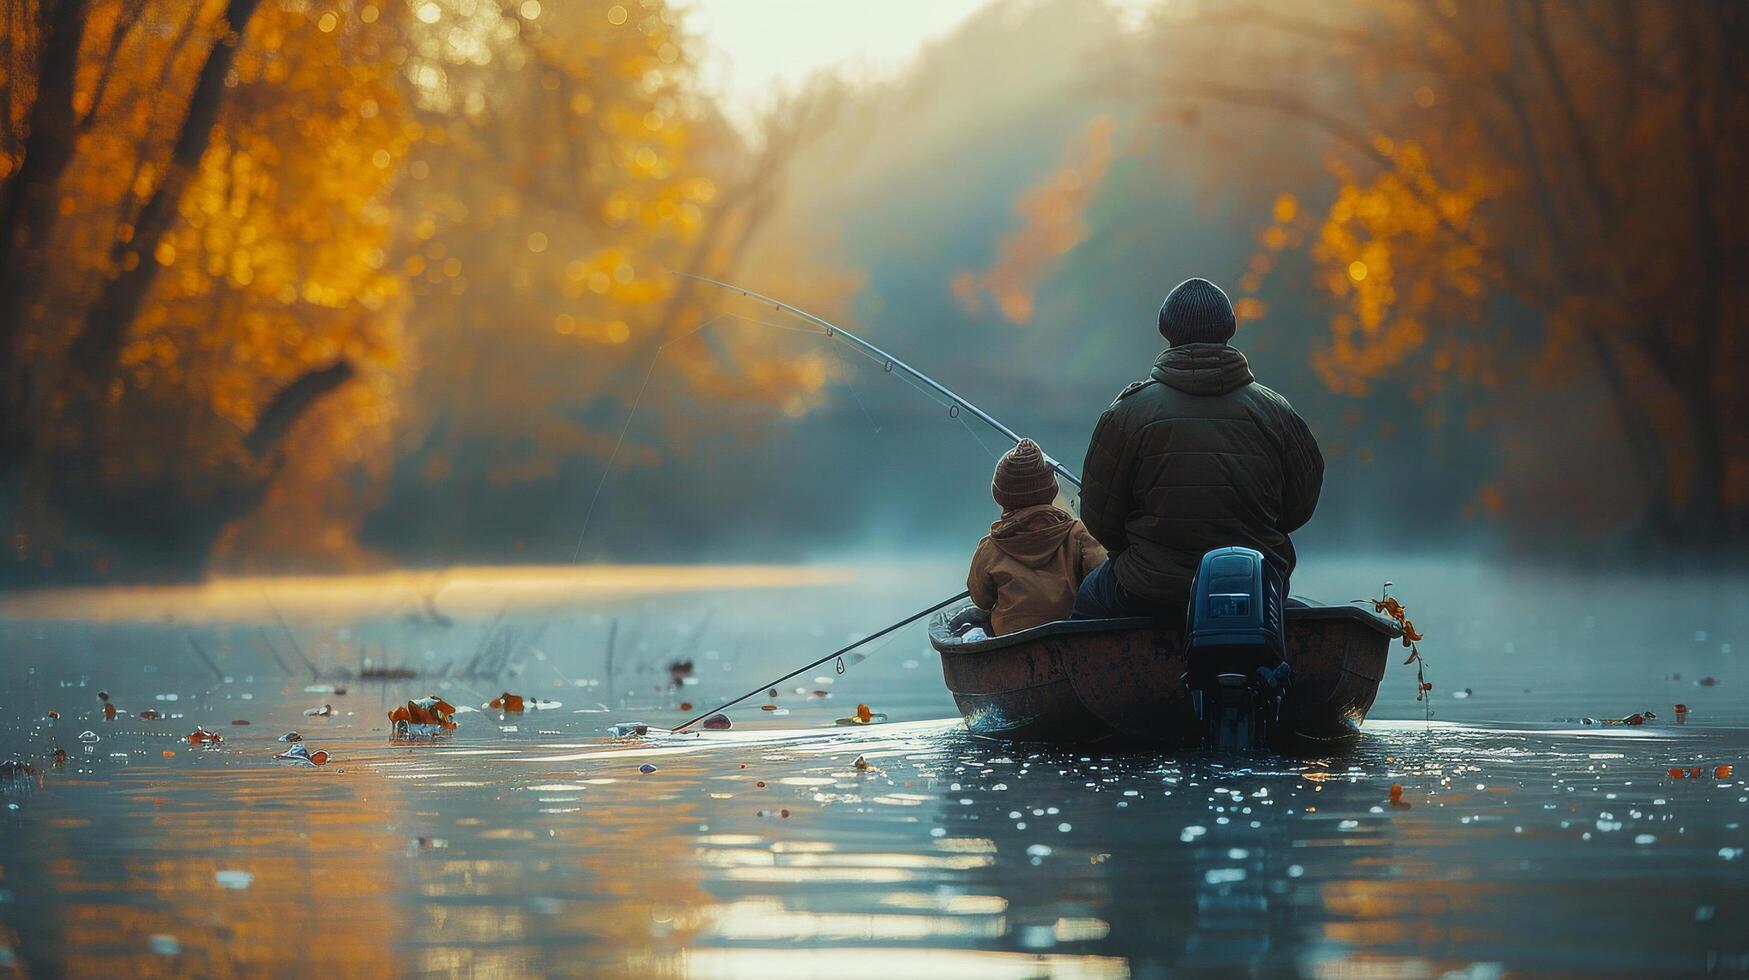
(1235, 648)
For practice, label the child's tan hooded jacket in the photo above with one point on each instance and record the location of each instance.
(1027, 569)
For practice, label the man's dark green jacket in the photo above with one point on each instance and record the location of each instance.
(1198, 457)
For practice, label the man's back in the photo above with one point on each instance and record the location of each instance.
(1197, 457)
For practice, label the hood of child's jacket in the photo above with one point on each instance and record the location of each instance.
(1032, 535)
(1203, 369)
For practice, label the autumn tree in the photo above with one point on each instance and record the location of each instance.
(569, 167)
(1527, 193)
(191, 230)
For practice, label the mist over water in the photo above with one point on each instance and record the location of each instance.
(343, 363)
(533, 843)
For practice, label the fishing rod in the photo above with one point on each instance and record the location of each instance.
(908, 620)
(956, 404)
(890, 364)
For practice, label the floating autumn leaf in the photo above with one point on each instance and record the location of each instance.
(507, 702)
(717, 723)
(299, 754)
(424, 716)
(1695, 772)
(863, 716)
(321, 712)
(109, 711)
(201, 736)
(150, 714)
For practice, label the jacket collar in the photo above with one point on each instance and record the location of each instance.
(1203, 369)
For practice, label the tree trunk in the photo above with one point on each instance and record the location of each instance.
(98, 347)
(292, 402)
(1704, 516)
(29, 210)
(1650, 456)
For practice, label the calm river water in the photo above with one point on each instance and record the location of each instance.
(1530, 842)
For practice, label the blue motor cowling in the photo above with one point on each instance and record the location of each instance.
(1235, 647)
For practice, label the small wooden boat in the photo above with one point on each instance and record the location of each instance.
(1123, 680)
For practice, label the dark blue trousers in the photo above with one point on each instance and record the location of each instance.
(1102, 596)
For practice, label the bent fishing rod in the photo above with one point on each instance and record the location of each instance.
(890, 364)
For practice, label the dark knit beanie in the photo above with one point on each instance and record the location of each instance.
(1197, 312)
(1023, 478)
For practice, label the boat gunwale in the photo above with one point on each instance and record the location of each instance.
(952, 646)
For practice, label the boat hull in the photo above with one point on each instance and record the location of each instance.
(1122, 680)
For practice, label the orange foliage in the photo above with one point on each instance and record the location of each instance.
(454, 216)
(1520, 200)
(568, 169)
(269, 269)
(1053, 215)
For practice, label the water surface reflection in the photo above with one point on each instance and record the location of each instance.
(534, 844)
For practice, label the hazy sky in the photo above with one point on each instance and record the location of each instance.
(752, 45)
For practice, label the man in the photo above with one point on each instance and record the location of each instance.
(1196, 457)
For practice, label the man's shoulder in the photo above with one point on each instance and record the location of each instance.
(1269, 396)
(1132, 388)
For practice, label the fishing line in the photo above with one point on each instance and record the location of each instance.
(888, 362)
(954, 413)
(952, 407)
(979, 439)
(589, 514)
(828, 658)
(850, 383)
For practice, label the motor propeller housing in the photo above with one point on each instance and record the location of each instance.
(1235, 646)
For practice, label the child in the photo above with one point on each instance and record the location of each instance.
(1026, 570)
